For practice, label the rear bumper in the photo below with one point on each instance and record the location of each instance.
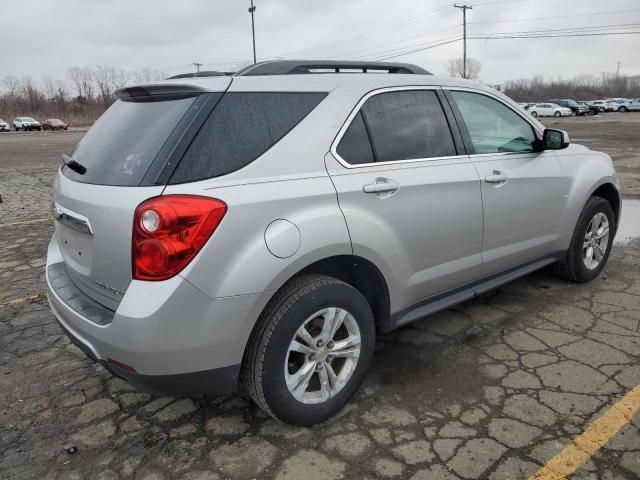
(177, 340)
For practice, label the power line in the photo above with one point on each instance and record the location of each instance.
(376, 32)
(563, 30)
(486, 37)
(524, 20)
(360, 53)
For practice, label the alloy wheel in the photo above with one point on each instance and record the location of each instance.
(596, 241)
(322, 355)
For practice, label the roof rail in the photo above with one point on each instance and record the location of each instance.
(208, 73)
(293, 67)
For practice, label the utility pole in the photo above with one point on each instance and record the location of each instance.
(252, 10)
(618, 70)
(464, 9)
(197, 65)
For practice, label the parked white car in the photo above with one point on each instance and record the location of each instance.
(634, 106)
(4, 126)
(617, 105)
(26, 123)
(549, 110)
(601, 104)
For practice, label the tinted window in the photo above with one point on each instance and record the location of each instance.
(241, 128)
(123, 143)
(494, 127)
(406, 125)
(355, 146)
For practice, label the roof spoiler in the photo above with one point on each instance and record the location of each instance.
(206, 73)
(142, 93)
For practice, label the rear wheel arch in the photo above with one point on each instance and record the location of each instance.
(353, 270)
(361, 274)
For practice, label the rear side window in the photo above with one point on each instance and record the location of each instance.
(125, 140)
(242, 127)
(355, 146)
(402, 125)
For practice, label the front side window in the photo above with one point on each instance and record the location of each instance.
(400, 125)
(492, 126)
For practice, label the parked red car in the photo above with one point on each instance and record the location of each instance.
(54, 124)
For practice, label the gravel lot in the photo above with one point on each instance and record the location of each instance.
(492, 389)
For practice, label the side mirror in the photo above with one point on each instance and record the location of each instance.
(554, 139)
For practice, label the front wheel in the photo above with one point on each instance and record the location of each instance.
(534, 114)
(310, 350)
(591, 242)
(557, 114)
(623, 109)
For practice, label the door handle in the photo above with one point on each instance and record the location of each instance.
(381, 185)
(496, 177)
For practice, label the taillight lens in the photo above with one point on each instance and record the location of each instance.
(168, 231)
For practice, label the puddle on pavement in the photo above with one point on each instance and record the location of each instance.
(629, 228)
(434, 373)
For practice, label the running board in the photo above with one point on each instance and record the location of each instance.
(443, 301)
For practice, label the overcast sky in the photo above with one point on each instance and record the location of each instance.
(45, 37)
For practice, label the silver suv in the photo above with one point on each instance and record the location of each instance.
(254, 231)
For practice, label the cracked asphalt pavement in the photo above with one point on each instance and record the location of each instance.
(493, 388)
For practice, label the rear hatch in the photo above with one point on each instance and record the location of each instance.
(124, 155)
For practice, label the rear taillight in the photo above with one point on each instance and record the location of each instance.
(168, 231)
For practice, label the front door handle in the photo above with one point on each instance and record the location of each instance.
(381, 185)
(496, 177)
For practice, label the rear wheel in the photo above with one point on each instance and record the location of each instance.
(591, 242)
(310, 350)
(623, 109)
(534, 114)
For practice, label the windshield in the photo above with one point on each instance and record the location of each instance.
(122, 144)
(28, 119)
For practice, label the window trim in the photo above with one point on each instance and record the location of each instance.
(463, 128)
(345, 126)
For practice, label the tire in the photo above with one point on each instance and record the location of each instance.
(534, 114)
(268, 358)
(557, 114)
(573, 267)
(623, 109)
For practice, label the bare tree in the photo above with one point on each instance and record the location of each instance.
(104, 76)
(120, 78)
(82, 79)
(11, 85)
(455, 68)
(49, 87)
(149, 75)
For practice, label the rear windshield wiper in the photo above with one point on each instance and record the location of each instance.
(73, 165)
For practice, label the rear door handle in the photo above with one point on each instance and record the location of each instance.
(381, 185)
(496, 177)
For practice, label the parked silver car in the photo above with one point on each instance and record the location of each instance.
(255, 231)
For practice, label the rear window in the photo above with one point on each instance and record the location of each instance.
(123, 143)
(242, 127)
